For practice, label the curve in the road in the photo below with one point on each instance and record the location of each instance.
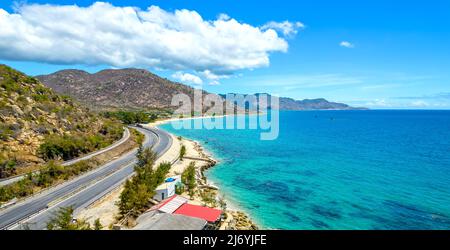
(126, 135)
(82, 190)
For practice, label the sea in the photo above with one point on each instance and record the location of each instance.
(355, 169)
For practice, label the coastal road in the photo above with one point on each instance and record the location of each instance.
(126, 135)
(81, 191)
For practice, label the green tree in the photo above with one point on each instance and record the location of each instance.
(126, 203)
(130, 117)
(182, 152)
(145, 157)
(141, 188)
(161, 172)
(188, 178)
(63, 220)
(98, 225)
(179, 189)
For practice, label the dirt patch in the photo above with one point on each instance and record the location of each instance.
(104, 209)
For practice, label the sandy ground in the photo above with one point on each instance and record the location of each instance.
(104, 209)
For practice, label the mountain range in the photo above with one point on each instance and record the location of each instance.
(112, 89)
(133, 89)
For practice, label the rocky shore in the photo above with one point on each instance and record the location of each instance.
(234, 219)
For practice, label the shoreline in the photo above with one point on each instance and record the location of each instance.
(232, 209)
(235, 218)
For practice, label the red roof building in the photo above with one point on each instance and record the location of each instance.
(209, 214)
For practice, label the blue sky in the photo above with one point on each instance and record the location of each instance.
(396, 53)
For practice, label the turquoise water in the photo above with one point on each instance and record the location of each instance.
(338, 170)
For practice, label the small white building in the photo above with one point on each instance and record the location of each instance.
(167, 189)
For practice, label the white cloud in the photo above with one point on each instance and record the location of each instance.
(286, 27)
(346, 44)
(187, 78)
(223, 16)
(379, 103)
(128, 36)
(214, 83)
(211, 76)
(390, 103)
(292, 82)
(437, 96)
(419, 104)
(214, 78)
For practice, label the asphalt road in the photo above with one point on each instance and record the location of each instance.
(126, 135)
(34, 213)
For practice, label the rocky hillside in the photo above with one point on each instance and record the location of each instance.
(124, 89)
(111, 89)
(37, 124)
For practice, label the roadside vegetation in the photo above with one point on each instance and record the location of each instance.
(38, 125)
(63, 220)
(67, 147)
(7, 168)
(46, 177)
(138, 191)
(131, 117)
(52, 173)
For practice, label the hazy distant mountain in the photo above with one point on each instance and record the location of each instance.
(313, 104)
(287, 103)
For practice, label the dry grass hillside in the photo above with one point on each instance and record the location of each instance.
(37, 124)
(123, 89)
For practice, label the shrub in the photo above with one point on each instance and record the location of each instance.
(63, 220)
(65, 147)
(98, 225)
(188, 178)
(139, 136)
(31, 80)
(128, 117)
(5, 194)
(47, 176)
(10, 85)
(179, 189)
(182, 152)
(112, 129)
(7, 168)
(40, 97)
(209, 198)
(5, 132)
